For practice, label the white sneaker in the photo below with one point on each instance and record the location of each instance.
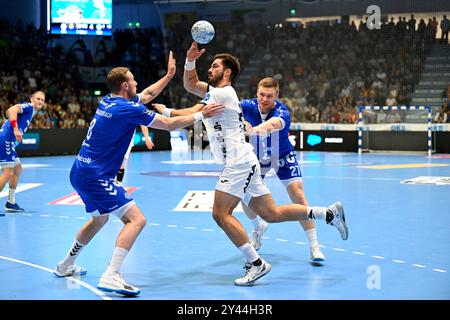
(68, 271)
(257, 235)
(336, 217)
(253, 273)
(316, 254)
(115, 283)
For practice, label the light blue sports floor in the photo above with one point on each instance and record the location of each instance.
(398, 246)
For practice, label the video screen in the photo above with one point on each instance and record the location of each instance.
(80, 17)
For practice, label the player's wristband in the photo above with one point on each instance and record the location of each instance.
(198, 116)
(13, 124)
(189, 65)
(166, 112)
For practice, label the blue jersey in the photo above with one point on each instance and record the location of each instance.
(253, 116)
(109, 135)
(23, 122)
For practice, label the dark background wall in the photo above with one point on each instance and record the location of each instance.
(151, 14)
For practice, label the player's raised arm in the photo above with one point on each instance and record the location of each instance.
(190, 79)
(164, 123)
(168, 112)
(155, 89)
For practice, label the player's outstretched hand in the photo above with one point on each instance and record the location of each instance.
(171, 66)
(159, 107)
(211, 110)
(248, 128)
(193, 52)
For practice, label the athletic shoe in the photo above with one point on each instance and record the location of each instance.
(316, 254)
(68, 271)
(253, 273)
(336, 217)
(9, 207)
(257, 235)
(115, 283)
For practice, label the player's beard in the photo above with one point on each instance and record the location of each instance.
(215, 80)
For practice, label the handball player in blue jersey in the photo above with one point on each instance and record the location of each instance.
(19, 119)
(268, 122)
(97, 163)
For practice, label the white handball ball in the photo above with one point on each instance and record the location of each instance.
(202, 32)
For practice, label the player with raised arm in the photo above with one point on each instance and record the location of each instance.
(240, 179)
(19, 119)
(95, 166)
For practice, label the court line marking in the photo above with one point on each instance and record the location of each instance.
(282, 240)
(81, 283)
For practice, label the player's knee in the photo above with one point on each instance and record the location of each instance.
(271, 216)
(218, 217)
(7, 173)
(140, 221)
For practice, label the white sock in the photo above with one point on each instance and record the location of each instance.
(117, 259)
(12, 196)
(312, 237)
(73, 253)
(256, 223)
(249, 252)
(316, 213)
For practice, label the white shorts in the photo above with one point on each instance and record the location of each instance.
(16, 162)
(243, 181)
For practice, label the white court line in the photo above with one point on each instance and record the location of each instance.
(45, 215)
(153, 224)
(398, 261)
(378, 257)
(439, 270)
(81, 283)
(358, 253)
(299, 242)
(339, 249)
(209, 230)
(191, 228)
(418, 265)
(171, 226)
(63, 216)
(282, 240)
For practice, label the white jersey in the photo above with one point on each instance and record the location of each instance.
(226, 130)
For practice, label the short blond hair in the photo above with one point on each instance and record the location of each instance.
(269, 82)
(115, 78)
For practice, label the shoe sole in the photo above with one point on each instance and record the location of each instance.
(248, 284)
(120, 291)
(13, 210)
(317, 260)
(341, 212)
(61, 275)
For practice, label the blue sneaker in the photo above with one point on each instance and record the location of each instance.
(9, 207)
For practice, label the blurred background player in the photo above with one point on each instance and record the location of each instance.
(19, 119)
(96, 165)
(266, 115)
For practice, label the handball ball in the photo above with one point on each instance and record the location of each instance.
(202, 32)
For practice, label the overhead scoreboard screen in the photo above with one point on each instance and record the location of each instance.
(80, 17)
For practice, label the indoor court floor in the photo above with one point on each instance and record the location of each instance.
(397, 208)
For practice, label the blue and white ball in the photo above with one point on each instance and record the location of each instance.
(202, 32)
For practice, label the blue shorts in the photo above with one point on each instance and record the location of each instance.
(287, 168)
(8, 153)
(101, 195)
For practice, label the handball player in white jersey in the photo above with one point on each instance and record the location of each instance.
(241, 175)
